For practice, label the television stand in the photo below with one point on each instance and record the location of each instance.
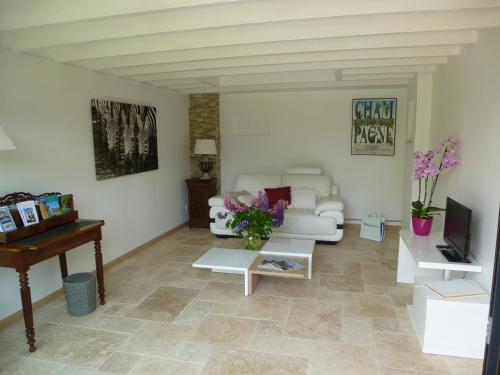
(418, 256)
(452, 256)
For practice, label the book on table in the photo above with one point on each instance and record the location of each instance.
(280, 264)
(6, 222)
(27, 211)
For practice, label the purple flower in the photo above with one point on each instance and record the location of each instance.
(278, 213)
(241, 226)
(261, 202)
(222, 215)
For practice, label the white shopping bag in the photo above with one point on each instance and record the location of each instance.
(373, 227)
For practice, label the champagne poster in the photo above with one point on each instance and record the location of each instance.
(373, 127)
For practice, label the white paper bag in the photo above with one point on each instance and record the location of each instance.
(373, 227)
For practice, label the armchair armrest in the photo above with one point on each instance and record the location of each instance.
(329, 203)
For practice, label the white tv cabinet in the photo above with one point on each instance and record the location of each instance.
(455, 327)
(418, 256)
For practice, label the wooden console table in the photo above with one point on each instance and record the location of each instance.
(22, 254)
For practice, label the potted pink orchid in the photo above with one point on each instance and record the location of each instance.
(427, 172)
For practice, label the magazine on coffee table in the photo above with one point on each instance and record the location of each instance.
(280, 264)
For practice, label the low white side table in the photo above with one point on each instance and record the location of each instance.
(454, 326)
(292, 248)
(228, 260)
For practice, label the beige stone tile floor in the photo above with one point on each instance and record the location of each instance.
(164, 317)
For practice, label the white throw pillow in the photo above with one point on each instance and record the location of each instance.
(303, 198)
(246, 199)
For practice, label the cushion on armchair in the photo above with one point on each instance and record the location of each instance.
(275, 194)
(303, 198)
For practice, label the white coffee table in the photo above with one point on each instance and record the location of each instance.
(241, 261)
(228, 260)
(292, 248)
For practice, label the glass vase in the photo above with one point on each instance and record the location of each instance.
(251, 242)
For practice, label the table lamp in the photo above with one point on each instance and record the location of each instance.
(5, 142)
(205, 147)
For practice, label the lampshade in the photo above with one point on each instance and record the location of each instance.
(205, 147)
(5, 142)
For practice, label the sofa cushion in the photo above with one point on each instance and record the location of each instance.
(254, 183)
(302, 221)
(320, 183)
(275, 194)
(303, 198)
(330, 203)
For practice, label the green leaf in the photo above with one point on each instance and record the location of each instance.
(435, 209)
(417, 205)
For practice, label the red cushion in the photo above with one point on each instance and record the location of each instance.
(275, 194)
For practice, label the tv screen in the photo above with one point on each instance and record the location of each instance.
(457, 228)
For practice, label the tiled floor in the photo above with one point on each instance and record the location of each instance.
(164, 317)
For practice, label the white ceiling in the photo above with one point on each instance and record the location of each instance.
(197, 46)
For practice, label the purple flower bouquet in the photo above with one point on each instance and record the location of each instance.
(255, 221)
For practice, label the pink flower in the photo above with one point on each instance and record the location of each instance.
(232, 206)
(451, 161)
(431, 170)
(261, 201)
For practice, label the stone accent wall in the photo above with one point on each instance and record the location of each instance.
(204, 124)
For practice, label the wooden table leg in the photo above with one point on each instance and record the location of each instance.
(64, 265)
(27, 309)
(99, 271)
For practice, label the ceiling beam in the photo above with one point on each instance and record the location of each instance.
(436, 38)
(18, 14)
(216, 16)
(301, 86)
(379, 53)
(273, 32)
(365, 77)
(290, 67)
(325, 75)
(389, 69)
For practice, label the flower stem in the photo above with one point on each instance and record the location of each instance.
(437, 177)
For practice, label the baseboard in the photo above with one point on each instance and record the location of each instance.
(142, 247)
(52, 296)
(390, 226)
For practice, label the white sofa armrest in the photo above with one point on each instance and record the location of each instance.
(335, 190)
(329, 203)
(216, 201)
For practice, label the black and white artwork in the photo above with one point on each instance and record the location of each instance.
(125, 138)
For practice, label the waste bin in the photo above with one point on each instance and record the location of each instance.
(79, 291)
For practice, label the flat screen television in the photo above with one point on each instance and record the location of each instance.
(456, 231)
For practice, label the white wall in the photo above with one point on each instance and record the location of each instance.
(466, 103)
(45, 108)
(314, 129)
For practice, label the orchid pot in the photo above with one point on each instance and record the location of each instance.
(421, 226)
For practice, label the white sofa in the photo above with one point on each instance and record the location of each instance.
(325, 223)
